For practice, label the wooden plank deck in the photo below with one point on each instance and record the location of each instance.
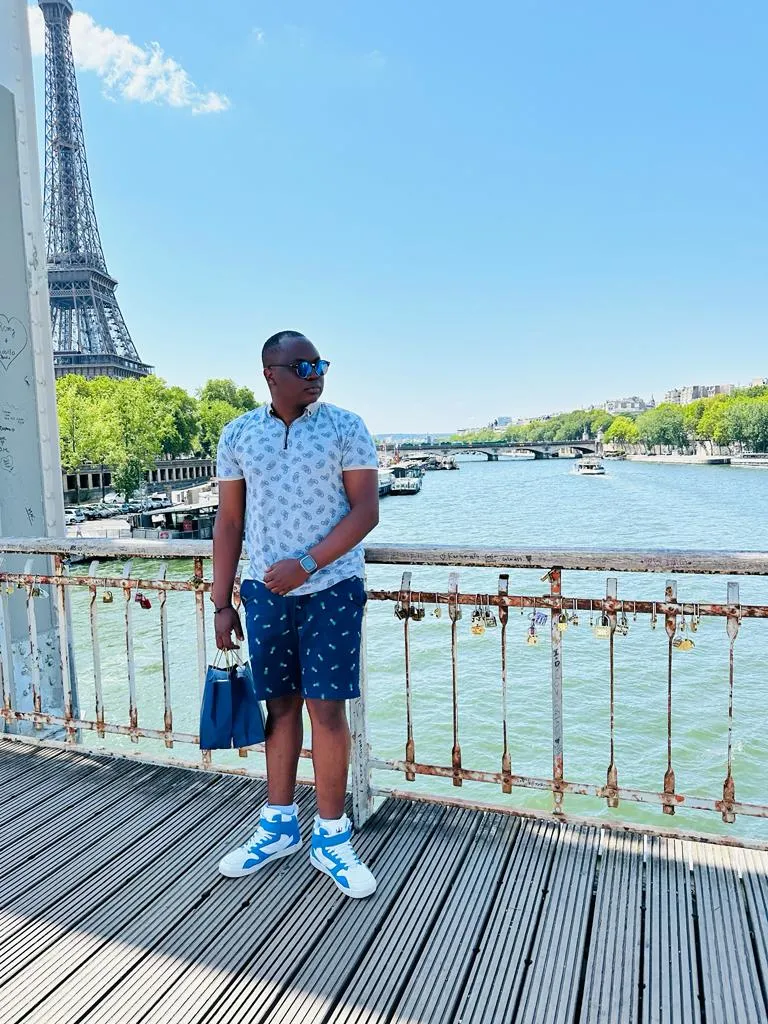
(112, 911)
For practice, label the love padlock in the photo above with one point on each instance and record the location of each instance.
(603, 630)
(683, 643)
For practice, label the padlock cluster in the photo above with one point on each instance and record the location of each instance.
(35, 590)
(605, 618)
(139, 598)
(482, 617)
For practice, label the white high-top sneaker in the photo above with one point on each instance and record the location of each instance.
(277, 835)
(332, 852)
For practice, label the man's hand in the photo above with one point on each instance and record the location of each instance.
(226, 622)
(283, 577)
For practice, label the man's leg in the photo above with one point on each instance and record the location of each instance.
(277, 833)
(273, 647)
(330, 755)
(332, 851)
(284, 736)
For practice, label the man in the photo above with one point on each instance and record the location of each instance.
(298, 478)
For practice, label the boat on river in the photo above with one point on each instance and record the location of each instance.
(750, 459)
(406, 480)
(385, 482)
(590, 466)
(179, 522)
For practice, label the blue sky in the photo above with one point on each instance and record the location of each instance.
(499, 208)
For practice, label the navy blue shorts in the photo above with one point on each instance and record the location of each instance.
(308, 645)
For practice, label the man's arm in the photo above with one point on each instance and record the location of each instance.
(227, 545)
(362, 487)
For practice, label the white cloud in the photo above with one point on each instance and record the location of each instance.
(376, 60)
(140, 73)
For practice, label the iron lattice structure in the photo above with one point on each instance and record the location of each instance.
(89, 334)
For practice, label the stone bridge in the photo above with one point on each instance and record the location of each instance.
(493, 450)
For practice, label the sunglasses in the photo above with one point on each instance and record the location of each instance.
(304, 368)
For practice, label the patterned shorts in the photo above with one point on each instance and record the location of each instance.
(308, 644)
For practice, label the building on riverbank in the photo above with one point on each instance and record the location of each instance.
(689, 393)
(634, 404)
(92, 481)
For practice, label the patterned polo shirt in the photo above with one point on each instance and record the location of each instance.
(294, 490)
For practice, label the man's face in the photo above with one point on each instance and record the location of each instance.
(284, 383)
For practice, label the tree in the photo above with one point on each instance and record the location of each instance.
(713, 424)
(132, 425)
(179, 421)
(214, 416)
(598, 420)
(74, 406)
(662, 426)
(225, 390)
(746, 420)
(692, 414)
(622, 430)
(181, 437)
(758, 425)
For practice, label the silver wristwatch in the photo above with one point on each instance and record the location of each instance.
(308, 564)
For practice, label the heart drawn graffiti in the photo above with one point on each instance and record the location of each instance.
(13, 339)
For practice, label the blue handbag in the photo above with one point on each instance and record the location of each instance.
(230, 713)
(247, 715)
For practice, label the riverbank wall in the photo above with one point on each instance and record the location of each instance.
(692, 460)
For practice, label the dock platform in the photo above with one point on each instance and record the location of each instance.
(113, 911)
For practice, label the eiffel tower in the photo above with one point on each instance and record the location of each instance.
(89, 334)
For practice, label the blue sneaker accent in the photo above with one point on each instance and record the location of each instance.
(333, 854)
(277, 835)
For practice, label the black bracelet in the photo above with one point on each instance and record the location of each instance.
(222, 609)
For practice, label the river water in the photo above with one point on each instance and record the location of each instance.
(529, 503)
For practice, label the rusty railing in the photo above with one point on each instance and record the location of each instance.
(25, 573)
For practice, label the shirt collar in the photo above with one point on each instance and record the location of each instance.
(309, 411)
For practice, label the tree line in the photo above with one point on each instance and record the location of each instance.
(129, 424)
(724, 421)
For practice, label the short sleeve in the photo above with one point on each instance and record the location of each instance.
(358, 450)
(227, 463)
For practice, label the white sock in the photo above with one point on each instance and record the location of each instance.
(332, 825)
(290, 810)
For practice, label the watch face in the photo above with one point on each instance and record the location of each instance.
(308, 563)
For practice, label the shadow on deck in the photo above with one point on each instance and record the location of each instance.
(113, 911)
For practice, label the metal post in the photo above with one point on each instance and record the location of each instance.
(670, 624)
(556, 590)
(612, 778)
(506, 761)
(31, 499)
(454, 612)
(360, 766)
(732, 625)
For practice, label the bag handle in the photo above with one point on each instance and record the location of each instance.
(231, 657)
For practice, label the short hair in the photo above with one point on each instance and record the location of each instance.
(276, 341)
